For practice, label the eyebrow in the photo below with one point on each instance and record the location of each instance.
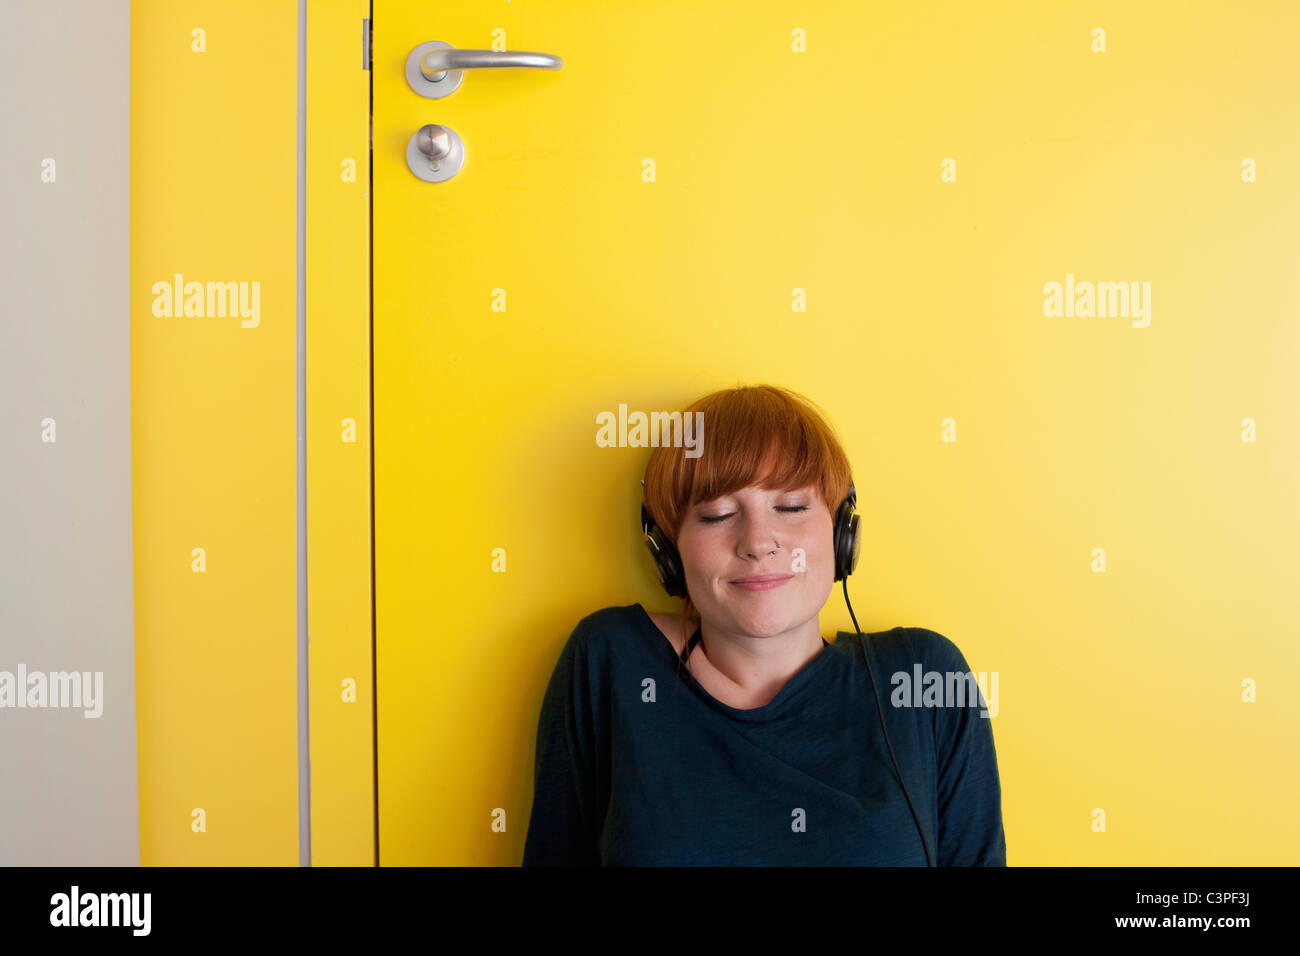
(788, 491)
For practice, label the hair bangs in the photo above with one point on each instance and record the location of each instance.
(762, 435)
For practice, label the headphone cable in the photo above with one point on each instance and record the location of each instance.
(929, 859)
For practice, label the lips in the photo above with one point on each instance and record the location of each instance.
(762, 582)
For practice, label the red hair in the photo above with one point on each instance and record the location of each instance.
(761, 435)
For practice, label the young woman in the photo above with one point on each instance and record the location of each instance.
(735, 735)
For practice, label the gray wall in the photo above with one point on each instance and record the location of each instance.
(67, 782)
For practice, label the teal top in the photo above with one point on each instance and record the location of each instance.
(638, 766)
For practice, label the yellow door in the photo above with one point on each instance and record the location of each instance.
(864, 202)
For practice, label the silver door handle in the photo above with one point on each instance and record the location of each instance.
(435, 69)
(435, 63)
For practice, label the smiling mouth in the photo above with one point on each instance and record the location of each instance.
(764, 582)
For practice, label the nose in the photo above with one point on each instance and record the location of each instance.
(757, 541)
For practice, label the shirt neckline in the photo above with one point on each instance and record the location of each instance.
(773, 708)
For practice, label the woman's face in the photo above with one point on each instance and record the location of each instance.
(733, 537)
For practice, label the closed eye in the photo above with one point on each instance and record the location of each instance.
(714, 519)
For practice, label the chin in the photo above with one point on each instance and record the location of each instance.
(773, 618)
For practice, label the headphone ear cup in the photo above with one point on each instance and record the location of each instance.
(667, 562)
(854, 545)
(848, 544)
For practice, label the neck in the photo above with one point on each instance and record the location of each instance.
(751, 666)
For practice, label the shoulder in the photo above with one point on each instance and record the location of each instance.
(670, 626)
(905, 646)
(596, 640)
(934, 648)
(609, 628)
(609, 619)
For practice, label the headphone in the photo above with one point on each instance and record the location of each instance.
(848, 545)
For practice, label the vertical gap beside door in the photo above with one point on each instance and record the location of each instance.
(370, 382)
(304, 713)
